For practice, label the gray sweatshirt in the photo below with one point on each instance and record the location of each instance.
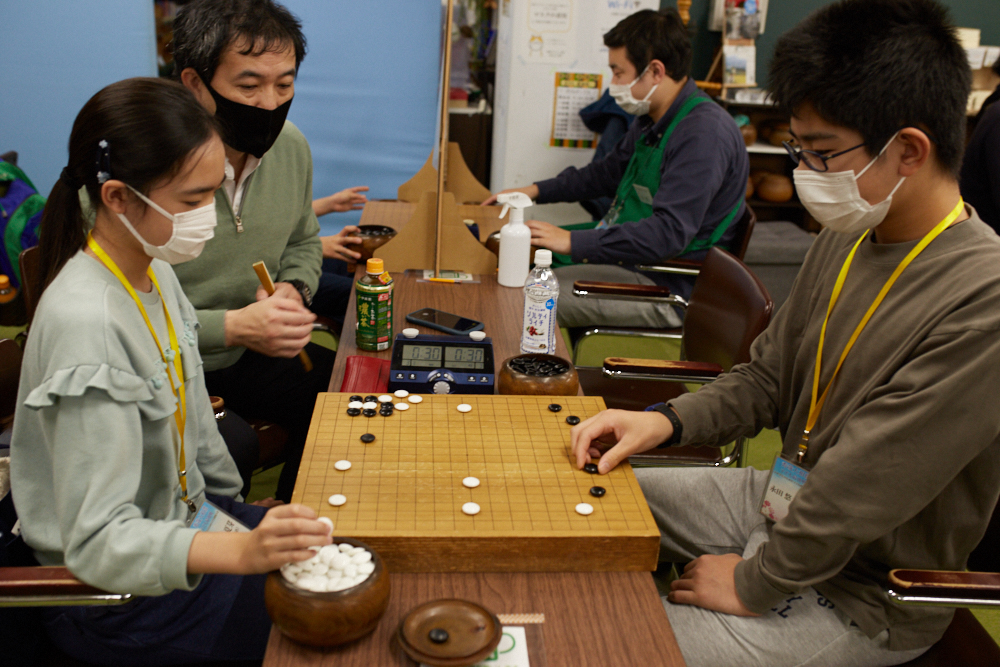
(905, 457)
(93, 463)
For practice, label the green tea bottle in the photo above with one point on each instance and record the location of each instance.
(374, 299)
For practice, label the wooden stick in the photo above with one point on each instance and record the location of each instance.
(443, 145)
(268, 284)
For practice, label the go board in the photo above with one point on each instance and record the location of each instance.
(405, 494)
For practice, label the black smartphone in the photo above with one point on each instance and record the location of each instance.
(442, 321)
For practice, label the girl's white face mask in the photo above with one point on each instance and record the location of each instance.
(834, 200)
(622, 94)
(192, 230)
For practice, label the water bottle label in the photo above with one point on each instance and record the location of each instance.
(538, 333)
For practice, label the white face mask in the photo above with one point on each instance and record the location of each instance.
(622, 94)
(192, 230)
(834, 200)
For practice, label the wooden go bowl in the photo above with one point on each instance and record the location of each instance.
(511, 381)
(372, 238)
(329, 619)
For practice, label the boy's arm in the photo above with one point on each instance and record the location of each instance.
(600, 178)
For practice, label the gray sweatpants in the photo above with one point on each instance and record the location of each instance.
(573, 311)
(714, 511)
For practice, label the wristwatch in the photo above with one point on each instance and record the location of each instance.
(675, 421)
(303, 290)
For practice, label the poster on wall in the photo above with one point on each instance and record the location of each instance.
(550, 37)
(574, 91)
(740, 65)
(608, 13)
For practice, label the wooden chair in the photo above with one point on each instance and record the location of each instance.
(729, 308)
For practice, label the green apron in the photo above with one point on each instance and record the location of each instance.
(634, 198)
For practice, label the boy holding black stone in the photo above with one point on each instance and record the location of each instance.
(889, 459)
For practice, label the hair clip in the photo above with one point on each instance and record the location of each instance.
(103, 161)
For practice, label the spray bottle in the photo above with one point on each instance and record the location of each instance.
(515, 240)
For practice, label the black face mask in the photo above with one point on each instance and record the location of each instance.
(246, 128)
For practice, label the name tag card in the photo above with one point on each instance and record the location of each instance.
(645, 196)
(212, 519)
(784, 483)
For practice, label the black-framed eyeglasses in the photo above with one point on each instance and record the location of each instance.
(812, 159)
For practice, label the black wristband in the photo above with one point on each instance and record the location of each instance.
(675, 421)
(303, 291)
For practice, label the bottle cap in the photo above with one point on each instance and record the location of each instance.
(543, 257)
(375, 266)
(7, 293)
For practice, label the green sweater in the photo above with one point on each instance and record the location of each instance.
(279, 227)
(906, 455)
(93, 463)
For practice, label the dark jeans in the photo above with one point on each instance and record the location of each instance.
(334, 292)
(277, 390)
(222, 619)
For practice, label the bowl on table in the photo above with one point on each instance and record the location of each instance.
(538, 375)
(372, 238)
(449, 633)
(329, 618)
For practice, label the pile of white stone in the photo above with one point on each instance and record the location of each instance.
(335, 567)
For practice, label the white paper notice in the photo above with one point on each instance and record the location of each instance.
(511, 652)
(550, 38)
(608, 13)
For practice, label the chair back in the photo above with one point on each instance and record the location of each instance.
(744, 229)
(31, 279)
(10, 374)
(728, 309)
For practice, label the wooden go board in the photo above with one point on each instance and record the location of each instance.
(404, 490)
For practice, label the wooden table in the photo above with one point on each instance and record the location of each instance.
(500, 309)
(591, 618)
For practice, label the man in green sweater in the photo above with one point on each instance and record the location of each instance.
(240, 59)
(878, 371)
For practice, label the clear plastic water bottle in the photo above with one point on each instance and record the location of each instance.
(541, 294)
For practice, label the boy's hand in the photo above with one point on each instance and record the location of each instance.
(545, 235)
(283, 536)
(709, 582)
(618, 434)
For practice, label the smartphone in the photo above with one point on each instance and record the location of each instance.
(442, 321)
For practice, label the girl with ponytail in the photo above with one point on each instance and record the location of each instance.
(117, 466)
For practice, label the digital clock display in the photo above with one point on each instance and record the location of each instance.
(431, 356)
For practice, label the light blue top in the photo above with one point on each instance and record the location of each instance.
(93, 455)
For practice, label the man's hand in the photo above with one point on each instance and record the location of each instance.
(545, 235)
(335, 247)
(530, 190)
(618, 434)
(350, 199)
(276, 326)
(709, 582)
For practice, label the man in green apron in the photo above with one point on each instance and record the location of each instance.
(678, 178)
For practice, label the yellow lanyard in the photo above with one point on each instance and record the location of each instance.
(815, 404)
(180, 415)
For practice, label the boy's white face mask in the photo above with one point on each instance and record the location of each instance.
(834, 200)
(622, 94)
(192, 230)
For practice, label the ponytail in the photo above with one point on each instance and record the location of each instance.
(62, 227)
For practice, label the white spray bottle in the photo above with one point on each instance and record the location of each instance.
(515, 240)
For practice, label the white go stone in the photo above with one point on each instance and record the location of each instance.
(410, 332)
(337, 499)
(470, 508)
(345, 547)
(360, 579)
(351, 570)
(477, 335)
(585, 509)
(363, 557)
(400, 393)
(366, 568)
(340, 561)
(385, 398)
(319, 569)
(415, 398)
(331, 585)
(329, 525)
(327, 553)
(356, 404)
(290, 577)
(370, 405)
(342, 465)
(470, 482)
(464, 407)
(402, 406)
(343, 584)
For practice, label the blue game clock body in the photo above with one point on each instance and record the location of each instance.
(429, 364)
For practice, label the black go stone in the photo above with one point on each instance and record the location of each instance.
(591, 468)
(368, 438)
(371, 399)
(369, 412)
(554, 407)
(355, 398)
(597, 491)
(353, 412)
(438, 635)
(572, 420)
(385, 413)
